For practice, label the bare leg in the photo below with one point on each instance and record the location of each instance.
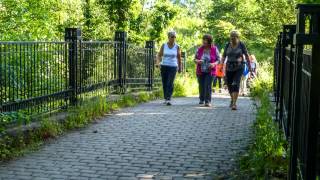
(235, 98)
(231, 97)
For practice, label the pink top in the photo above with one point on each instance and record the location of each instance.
(213, 59)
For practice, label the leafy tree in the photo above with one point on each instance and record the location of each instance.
(162, 14)
(259, 21)
(120, 12)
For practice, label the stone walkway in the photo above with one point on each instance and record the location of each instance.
(149, 141)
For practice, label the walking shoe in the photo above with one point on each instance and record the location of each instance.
(234, 107)
(169, 103)
(207, 105)
(201, 102)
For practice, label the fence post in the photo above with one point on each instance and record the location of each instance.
(121, 59)
(305, 137)
(183, 56)
(150, 63)
(278, 77)
(275, 71)
(73, 36)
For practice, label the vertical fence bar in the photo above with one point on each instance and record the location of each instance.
(121, 59)
(2, 75)
(150, 63)
(297, 90)
(73, 35)
(313, 119)
(275, 67)
(306, 113)
(184, 61)
(286, 78)
(282, 64)
(278, 78)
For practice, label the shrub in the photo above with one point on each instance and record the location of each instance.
(185, 85)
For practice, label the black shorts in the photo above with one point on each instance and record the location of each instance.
(233, 79)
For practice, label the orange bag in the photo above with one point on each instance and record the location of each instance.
(219, 70)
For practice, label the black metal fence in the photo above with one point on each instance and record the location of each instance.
(297, 91)
(37, 77)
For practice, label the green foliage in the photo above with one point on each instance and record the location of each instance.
(49, 129)
(83, 114)
(121, 12)
(179, 88)
(144, 97)
(37, 19)
(162, 14)
(8, 118)
(185, 85)
(266, 157)
(259, 21)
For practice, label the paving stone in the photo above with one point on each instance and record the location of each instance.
(149, 141)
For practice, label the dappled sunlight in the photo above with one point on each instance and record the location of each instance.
(139, 113)
(196, 175)
(124, 114)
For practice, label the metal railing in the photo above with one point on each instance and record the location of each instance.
(37, 77)
(296, 90)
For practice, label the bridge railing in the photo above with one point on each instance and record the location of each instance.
(297, 90)
(37, 77)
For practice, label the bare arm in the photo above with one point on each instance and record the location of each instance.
(159, 56)
(179, 60)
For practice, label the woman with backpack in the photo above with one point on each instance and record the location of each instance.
(234, 51)
(169, 58)
(206, 58)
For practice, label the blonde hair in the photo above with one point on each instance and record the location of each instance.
(253, 57)
(235, 33)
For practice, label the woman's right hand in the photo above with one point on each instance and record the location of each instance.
(198, 61)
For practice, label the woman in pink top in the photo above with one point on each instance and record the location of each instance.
(207, 57)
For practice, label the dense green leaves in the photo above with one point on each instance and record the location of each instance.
(259, 21)
(98, 19)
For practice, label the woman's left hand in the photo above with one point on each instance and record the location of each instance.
(212, 65)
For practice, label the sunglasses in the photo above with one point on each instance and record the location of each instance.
(172, 37)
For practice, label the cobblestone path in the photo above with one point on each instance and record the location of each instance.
(149, 141)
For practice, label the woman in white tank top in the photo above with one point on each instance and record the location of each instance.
(169, 58)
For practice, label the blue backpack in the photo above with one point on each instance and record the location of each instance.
(246, 69)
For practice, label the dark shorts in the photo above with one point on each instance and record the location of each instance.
(233, 79)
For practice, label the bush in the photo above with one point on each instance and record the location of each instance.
(179, 87)
(185, 85)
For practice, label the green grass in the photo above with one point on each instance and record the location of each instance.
(266, 157)
(77, 117)
(185, 85)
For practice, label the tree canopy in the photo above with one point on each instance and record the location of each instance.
(259, 21)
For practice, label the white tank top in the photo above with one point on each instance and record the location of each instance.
(170, 55)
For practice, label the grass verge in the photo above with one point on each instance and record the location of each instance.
(80, 116)
(266, 157)
(185, 85)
